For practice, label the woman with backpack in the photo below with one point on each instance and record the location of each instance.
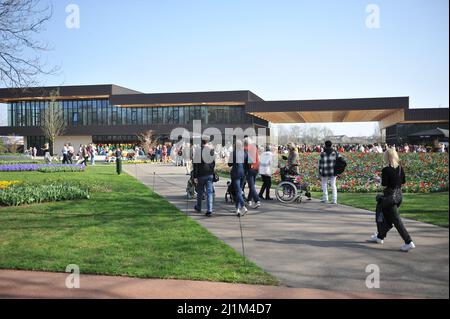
(392, 179)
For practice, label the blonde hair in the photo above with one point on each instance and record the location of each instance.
(391, 157)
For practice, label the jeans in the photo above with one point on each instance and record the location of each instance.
(251, 180)
(237, 185)
(391, 217)
(205, 182)
(325, 188)
(267, 184)
(92, 160)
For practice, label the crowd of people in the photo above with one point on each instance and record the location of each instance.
(371, 148)
(247, 161)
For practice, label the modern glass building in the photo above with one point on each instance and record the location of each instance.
(109, 114)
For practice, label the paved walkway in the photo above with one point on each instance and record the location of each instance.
(318, 246)
(31, 284)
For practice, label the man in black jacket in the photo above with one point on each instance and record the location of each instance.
(204, 175)
(327, 161)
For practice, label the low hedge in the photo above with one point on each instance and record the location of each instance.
(23, 194)
(62, 168)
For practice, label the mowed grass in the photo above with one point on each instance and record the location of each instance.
(432, 208)
(125, 230)
(429, 208)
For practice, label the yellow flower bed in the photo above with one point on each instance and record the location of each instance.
(6, 184)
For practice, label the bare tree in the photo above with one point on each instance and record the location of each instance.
(20, 52)
(376, 135)
(53, 123)
(2, 146)
(147, 140)
(12, 144)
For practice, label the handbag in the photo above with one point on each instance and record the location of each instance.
(395, 197)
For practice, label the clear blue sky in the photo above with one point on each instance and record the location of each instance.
(277, 49)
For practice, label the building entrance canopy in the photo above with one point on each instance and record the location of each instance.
(386, 111)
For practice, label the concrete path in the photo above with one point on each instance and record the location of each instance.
(36, 284)
(318, 246)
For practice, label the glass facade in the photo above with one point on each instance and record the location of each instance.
(398, 134)
(101, 112)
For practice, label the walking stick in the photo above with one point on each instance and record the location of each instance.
(187, 206)
(242, 242)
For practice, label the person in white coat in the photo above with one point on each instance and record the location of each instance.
(265, 170)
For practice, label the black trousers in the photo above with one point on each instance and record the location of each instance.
(267, 184)
(390, 216)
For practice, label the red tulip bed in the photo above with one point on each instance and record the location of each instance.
(425, 172)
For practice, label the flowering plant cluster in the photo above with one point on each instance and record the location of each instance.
(45, 168)
(425, 172)
(6, 184)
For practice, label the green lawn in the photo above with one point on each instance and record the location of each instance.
(125, 230)
(429, 208)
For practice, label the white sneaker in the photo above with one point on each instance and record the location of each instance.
(323, 201)
(407, 247)
(257, 204)
(244, 211)
(249, 203)
(374, 239)
(238, 212)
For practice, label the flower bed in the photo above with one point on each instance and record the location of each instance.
(7, 184)
(21, 194)
(425, 172)
(45, 168)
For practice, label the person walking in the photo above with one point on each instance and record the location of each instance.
(392, 179)
(65, 154)
(238, 161)
(92, 151)
(252, 172)
(327, 161)
(265, 170)
(203, 177)
(84, 154)
(70, 153)
(46, 151)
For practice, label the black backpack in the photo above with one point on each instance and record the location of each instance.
(339, 166)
